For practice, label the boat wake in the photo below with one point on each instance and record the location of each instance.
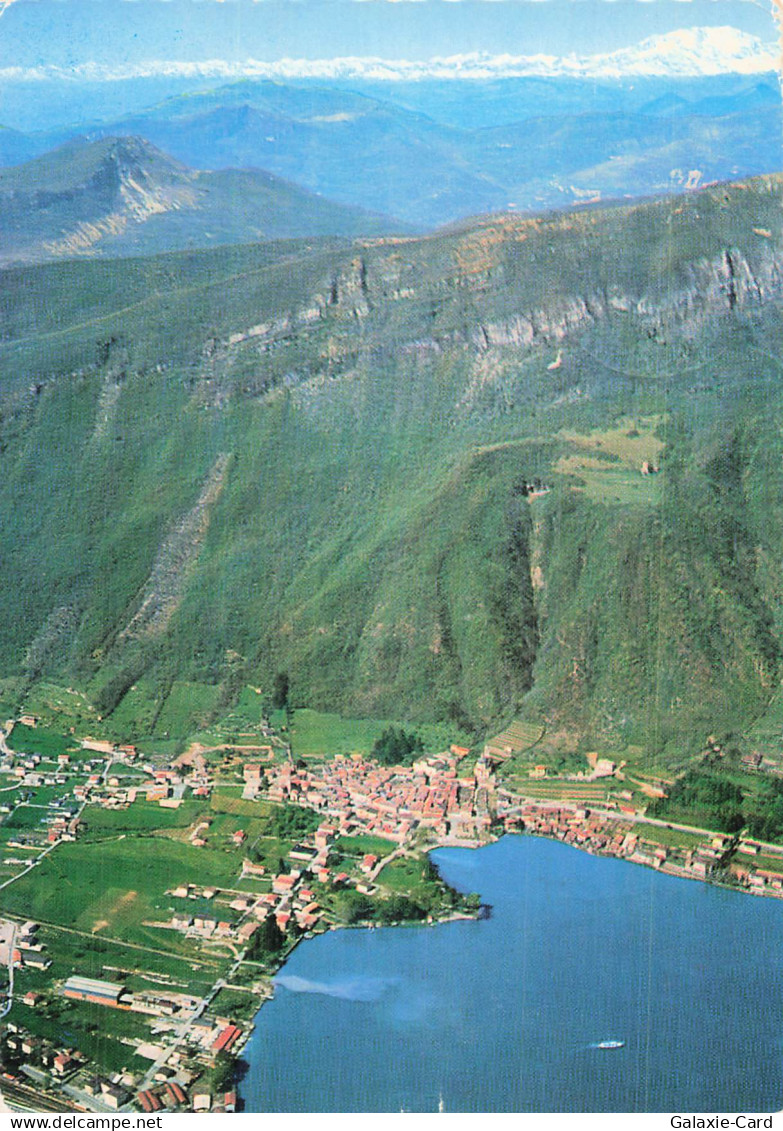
(353, 989)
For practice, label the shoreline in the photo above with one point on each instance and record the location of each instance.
(412, 811)
(313, 968)
(480, 913)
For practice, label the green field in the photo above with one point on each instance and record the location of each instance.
(44, 741)
(223, 825)
(141, 816)
(236, 1004)
(134, 718)
(318, 734)
(404, 874)
(249, 710)
(44, 794)
(187, 703)
(224, 800)
(94, 1030)
(766, 861)
(546, 788)
(113, 889)
(97, 957)
(669, 838)
(606, 464)
(58, 707)
(25, 817)
(364, 845)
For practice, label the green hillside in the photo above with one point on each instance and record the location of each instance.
(409, 473)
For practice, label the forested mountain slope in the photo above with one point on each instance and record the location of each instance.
(410, 471)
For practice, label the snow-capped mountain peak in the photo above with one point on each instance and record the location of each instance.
(690, 51)
(685, 52)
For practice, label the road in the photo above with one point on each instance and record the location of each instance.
(616, 815)
(34, 863)
(202, 1006)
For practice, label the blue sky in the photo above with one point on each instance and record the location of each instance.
(117, 32)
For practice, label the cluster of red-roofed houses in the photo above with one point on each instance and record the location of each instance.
(173, 1088)
(170, 1096)
(361, 797)
(290, 901)
(206, 1037)
(608, 834)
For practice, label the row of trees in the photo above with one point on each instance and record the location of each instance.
(718, 801)
(722, 803)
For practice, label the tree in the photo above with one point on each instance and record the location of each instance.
(355, 907)
(290, 822)
(280, 691)
(400, 908)
(223, 1072)
(395, 746)
(267, 940)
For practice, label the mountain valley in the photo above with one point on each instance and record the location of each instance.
(433, 151)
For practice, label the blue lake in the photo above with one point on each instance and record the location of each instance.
(499, 1015)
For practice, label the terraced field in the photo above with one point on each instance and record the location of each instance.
(518, 737)
(558, 790)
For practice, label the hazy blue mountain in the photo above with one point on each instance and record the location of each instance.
(123, 196)
(16, 147)
(762, 95)
(558, 160)
(505, 101)
(437, 151)
(400, 159)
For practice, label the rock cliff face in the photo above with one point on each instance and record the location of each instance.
(122, 191)
(409, 471)
(510, 287)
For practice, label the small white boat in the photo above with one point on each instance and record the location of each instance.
(609, 1045)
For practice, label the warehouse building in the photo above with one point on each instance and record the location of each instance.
(101, 993)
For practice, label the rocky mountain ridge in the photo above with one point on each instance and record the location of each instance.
(120, 196)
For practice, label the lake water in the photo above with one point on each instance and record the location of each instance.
(500, 1015)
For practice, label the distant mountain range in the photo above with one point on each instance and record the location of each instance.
(425, 153)
(687, 51)
(684, 52)
(122, 196)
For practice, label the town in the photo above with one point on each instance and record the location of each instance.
(260, 850)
